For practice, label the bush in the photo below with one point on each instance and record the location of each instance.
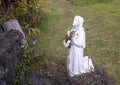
(24, 10)
(28, 12)
(32, 12)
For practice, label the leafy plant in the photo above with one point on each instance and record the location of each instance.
(30, 32)
(32, 12)
(28, 12)
(31, 57)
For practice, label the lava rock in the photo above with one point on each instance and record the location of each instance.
(33, 76)
(10, 48)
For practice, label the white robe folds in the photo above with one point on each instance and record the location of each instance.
(76, 63)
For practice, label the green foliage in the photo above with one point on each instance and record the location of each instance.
(23, 63)
(33, 12)
(4, 18)
(28, 12)
(7, 8)
(30, 32)
(29, 58)
(7, 5)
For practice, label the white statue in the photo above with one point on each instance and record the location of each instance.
(77, 64)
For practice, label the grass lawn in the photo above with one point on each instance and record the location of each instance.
(101, 26)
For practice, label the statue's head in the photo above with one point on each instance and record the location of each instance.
(78, 22)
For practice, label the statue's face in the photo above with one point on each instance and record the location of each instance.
(78, 22)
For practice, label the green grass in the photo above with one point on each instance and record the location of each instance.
(89, 2)
(101, 27)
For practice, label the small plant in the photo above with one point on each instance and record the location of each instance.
(29, 58)
(32, 12)
(22, 64)
(28, 12)
(30, 32)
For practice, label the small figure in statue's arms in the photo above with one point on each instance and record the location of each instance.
(68, 37)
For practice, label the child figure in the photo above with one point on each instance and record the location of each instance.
(75, 42)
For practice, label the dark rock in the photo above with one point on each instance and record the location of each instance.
(33, 76)
(98, 77)
(60, 76)
(1, 72)
(61, 79)
(10, 47)
(2, 82)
